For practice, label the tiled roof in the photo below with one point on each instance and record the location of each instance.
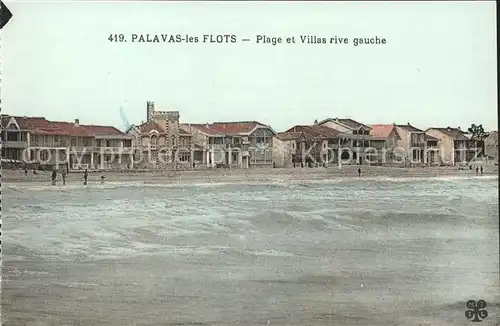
(205, 128)
(289, 135)
(454, 133)
(227, 128)
(183, 132)
(74, 130)
(103, 130)
(349, 123)
(316, 131)
(429, 137)
(40, 126)
(408, 127)
(381, 131)
(233, 128)
(150, 126)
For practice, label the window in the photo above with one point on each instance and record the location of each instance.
(154, 141)
(354, 132)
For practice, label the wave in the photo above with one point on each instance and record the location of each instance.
(269, 183)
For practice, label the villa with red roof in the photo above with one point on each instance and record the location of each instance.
(405, 144)
(234, 144)
(40, 141)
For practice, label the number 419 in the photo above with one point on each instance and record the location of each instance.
(116, 38)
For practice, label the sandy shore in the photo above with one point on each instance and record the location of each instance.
(252, 174)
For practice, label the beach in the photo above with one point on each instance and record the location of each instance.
(249, 175)
(255, 247)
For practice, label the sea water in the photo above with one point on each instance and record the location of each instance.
(367, 251)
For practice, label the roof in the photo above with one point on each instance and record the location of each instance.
(289, 135)
(74, 130)
(183, 132)
(150, 126)
(349, 123)
(42, 126)
(102, 130)
(454, 133)
(408, 127)
(381, 130)
(429, 137)
(228, 128)
(315, 131)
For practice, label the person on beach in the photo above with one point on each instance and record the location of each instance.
(102, 178)
(481, 169)
(63, 175)
(54, 176)
(85, 176)
(477, 170)
(359, 172)
(25, 171)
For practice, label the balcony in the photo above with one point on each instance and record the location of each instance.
(59, 144)
(14, 144)
(115, 150)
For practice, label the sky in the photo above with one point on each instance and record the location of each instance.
(437, 68)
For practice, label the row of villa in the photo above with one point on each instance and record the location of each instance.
(162, 142)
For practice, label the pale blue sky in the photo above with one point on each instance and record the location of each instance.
(438, 67)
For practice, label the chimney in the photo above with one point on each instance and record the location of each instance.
(408, 123)
(459, 128)
(337, 119)
(77, 122)
(316, 122)
(448, 128)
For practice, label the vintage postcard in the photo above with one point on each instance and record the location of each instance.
(249, 163)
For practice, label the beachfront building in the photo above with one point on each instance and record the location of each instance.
(160, 140)
(385, 138)
(15, 138)
(33, 140)
(455, 145)
(396, 145)
(284, 147)
(491, 147)
(314, 145)
(235, 144)
(96, 147)
(112, 148)
(38, 141)
(355, 139)
(411, 145)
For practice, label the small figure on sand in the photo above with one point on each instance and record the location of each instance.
(54, 176)
(477, 170)
(34, 171)
(25, 171)
(359, 172)
(63, 174)
(102, 178)
(85, 176)
(481, 169)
